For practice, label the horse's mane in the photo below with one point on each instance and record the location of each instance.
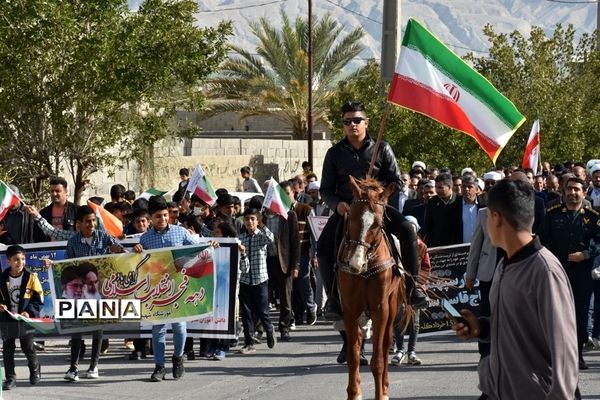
(371, 189)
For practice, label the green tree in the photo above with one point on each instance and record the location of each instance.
(91, 83)
(275, 80)
(555, 78)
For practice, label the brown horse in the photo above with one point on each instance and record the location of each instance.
(367, 283)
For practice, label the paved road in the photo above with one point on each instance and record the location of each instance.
(299, 370)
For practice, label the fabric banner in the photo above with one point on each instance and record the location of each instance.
(448, 271)
(174, 284)
(192, 283)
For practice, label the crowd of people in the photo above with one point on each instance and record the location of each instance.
(283, 266)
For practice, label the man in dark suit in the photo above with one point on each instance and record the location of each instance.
(463, 212)
(283, 263)
(60, 213)
(439, 226)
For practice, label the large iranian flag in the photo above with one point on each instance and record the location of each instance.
(276, 199)
(432, 80)
(8, 199)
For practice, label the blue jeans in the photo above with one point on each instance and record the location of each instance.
(159, 340)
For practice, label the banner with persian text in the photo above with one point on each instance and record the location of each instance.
(448, 269)
(192, 283)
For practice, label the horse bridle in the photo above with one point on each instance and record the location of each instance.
(373, 269)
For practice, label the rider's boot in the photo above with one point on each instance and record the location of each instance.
(416, 294)
(333, 309)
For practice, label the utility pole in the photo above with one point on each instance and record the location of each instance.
(309, 119)
(598, 26)
(390, 38)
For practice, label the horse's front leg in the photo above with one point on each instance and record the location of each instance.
(352, 308)
(387, 341)
(380, 314)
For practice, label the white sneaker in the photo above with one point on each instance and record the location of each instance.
(92, 373)
(596, 343)
(72, 375)
(399, 358)
(413, 359)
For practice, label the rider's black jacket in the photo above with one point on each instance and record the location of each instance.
(343, 160)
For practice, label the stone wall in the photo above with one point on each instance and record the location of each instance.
(221, 158)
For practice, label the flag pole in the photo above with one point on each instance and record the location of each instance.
(384, 118)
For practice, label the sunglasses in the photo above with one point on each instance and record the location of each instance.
(356, 121)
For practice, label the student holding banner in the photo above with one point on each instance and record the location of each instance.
(163, 235)
(87, 242)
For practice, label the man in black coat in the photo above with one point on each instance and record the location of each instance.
(60, 213)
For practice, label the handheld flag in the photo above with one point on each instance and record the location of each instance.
(8, 199)
(531, 157)
(106, 221)
(430, 79)
(44, 325)
(201, 186)
(151, 192)
(276, 199)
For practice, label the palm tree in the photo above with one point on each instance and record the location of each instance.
(274, 81)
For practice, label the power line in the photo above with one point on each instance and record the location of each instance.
(574, 2)
(380, 23)
(243, 7)
(355, 12)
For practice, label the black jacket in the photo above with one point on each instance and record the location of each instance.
(439, 228)
(343, 160)
(19, 227)
(30, 301)
(68, 221)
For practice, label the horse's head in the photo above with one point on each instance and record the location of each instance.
(365, 223)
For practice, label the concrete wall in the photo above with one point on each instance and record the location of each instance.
(221, 158)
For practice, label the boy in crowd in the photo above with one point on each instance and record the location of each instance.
(254, 279)
(20, 293)
(87, 242)
(161, 235)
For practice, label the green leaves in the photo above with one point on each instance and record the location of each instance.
(80, 79)
(275, 80)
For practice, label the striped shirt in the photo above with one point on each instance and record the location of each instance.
(171, 236)
(254, 271)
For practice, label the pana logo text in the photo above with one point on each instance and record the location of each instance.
(97, 309)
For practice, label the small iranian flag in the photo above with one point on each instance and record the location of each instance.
(201, 186)
(106, 221)
(151, 192)
(432, 80)
(531, 157)
(8, 199)
(44, 325)
(276, 199)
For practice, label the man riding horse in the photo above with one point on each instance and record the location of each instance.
(351, 157)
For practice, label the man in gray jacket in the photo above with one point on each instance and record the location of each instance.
(532, 327)
(481, 264)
